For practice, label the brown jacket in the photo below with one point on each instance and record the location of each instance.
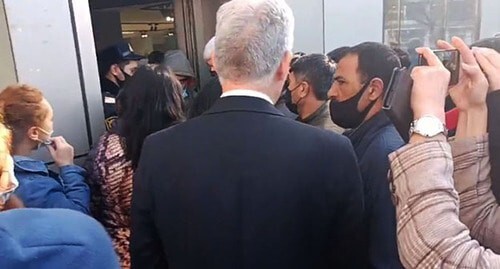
(111, 184)
(432, 231)
(321, 119)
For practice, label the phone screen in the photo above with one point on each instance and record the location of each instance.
(450, 60)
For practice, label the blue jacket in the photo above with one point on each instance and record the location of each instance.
(373, 141)
(42, 188)
(52, 239)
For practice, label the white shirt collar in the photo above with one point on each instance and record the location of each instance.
(250, 93)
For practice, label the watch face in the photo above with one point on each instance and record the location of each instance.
(429, 126)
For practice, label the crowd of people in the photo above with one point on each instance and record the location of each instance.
(281, 160)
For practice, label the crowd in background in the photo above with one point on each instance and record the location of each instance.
(281, 160)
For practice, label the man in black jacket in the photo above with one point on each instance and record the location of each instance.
(360, 81)
(117, 63)
(242, 186)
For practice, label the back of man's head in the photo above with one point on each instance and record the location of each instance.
(491, 43)
(156, 57)
(404, 57)
(209, 49)
(375, 60)
(317, 70)
(338, 53)
(253, 36)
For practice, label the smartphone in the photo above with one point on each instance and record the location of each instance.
(450, 60)
(397, 100)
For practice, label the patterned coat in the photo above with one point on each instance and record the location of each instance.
(447, 214)
(111, 183)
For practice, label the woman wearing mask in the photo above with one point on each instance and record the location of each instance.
(29, 116)
(48, 237)
(151, 101)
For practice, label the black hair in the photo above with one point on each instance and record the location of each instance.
(210, 93)
(375, 60)
(317, 70)
(404, 57)
(491, 43)
(156, 57)
(337, 54)
(150, 101)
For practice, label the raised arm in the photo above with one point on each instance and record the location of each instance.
(430, 234)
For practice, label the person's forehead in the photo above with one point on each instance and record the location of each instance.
(132, 64)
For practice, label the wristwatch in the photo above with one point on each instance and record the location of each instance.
(428, 126)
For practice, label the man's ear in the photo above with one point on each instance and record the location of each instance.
(115, 69)
(284, 67)
(376, 89)
(212, 58)
(304, 89)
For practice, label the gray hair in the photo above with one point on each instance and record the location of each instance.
(252, 38)
(209, 49)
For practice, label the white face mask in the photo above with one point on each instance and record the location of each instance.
(8, 181)
(47, 141)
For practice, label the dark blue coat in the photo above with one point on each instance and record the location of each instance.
(373, 141)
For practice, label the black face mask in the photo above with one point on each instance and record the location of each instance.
(345, 114)
(289, 104)
(122, 82)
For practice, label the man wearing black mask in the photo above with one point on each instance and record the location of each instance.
(360, 81)
(116, 64)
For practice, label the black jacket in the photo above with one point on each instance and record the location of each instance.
(109, 92)
(244, 187)
(494, 140)
(373, 141)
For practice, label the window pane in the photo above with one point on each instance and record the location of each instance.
(411, 23)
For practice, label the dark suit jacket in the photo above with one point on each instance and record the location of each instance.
(244, 187)
(494, 140)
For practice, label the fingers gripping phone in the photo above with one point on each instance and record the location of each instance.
(450, 60)
(397, 99)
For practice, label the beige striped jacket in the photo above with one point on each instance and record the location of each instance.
(447, 215)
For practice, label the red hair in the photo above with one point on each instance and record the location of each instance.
(21, 107)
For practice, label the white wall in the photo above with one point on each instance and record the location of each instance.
(309, 36)
(353, 21)
(6, 59)
(323, 25)
(53, 49)
(490, 20)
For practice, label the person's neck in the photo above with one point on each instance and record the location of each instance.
(228, 86)
(112, 78)
(376, 109)
(310, 107)
(22, 149)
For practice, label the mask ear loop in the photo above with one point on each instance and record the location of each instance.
(48, 141)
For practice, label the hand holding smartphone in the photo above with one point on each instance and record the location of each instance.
(450, 59)
(397, 99)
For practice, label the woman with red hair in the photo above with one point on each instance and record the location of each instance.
(29, 116)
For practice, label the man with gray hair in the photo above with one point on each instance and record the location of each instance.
(242, 186)
(208, 54)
